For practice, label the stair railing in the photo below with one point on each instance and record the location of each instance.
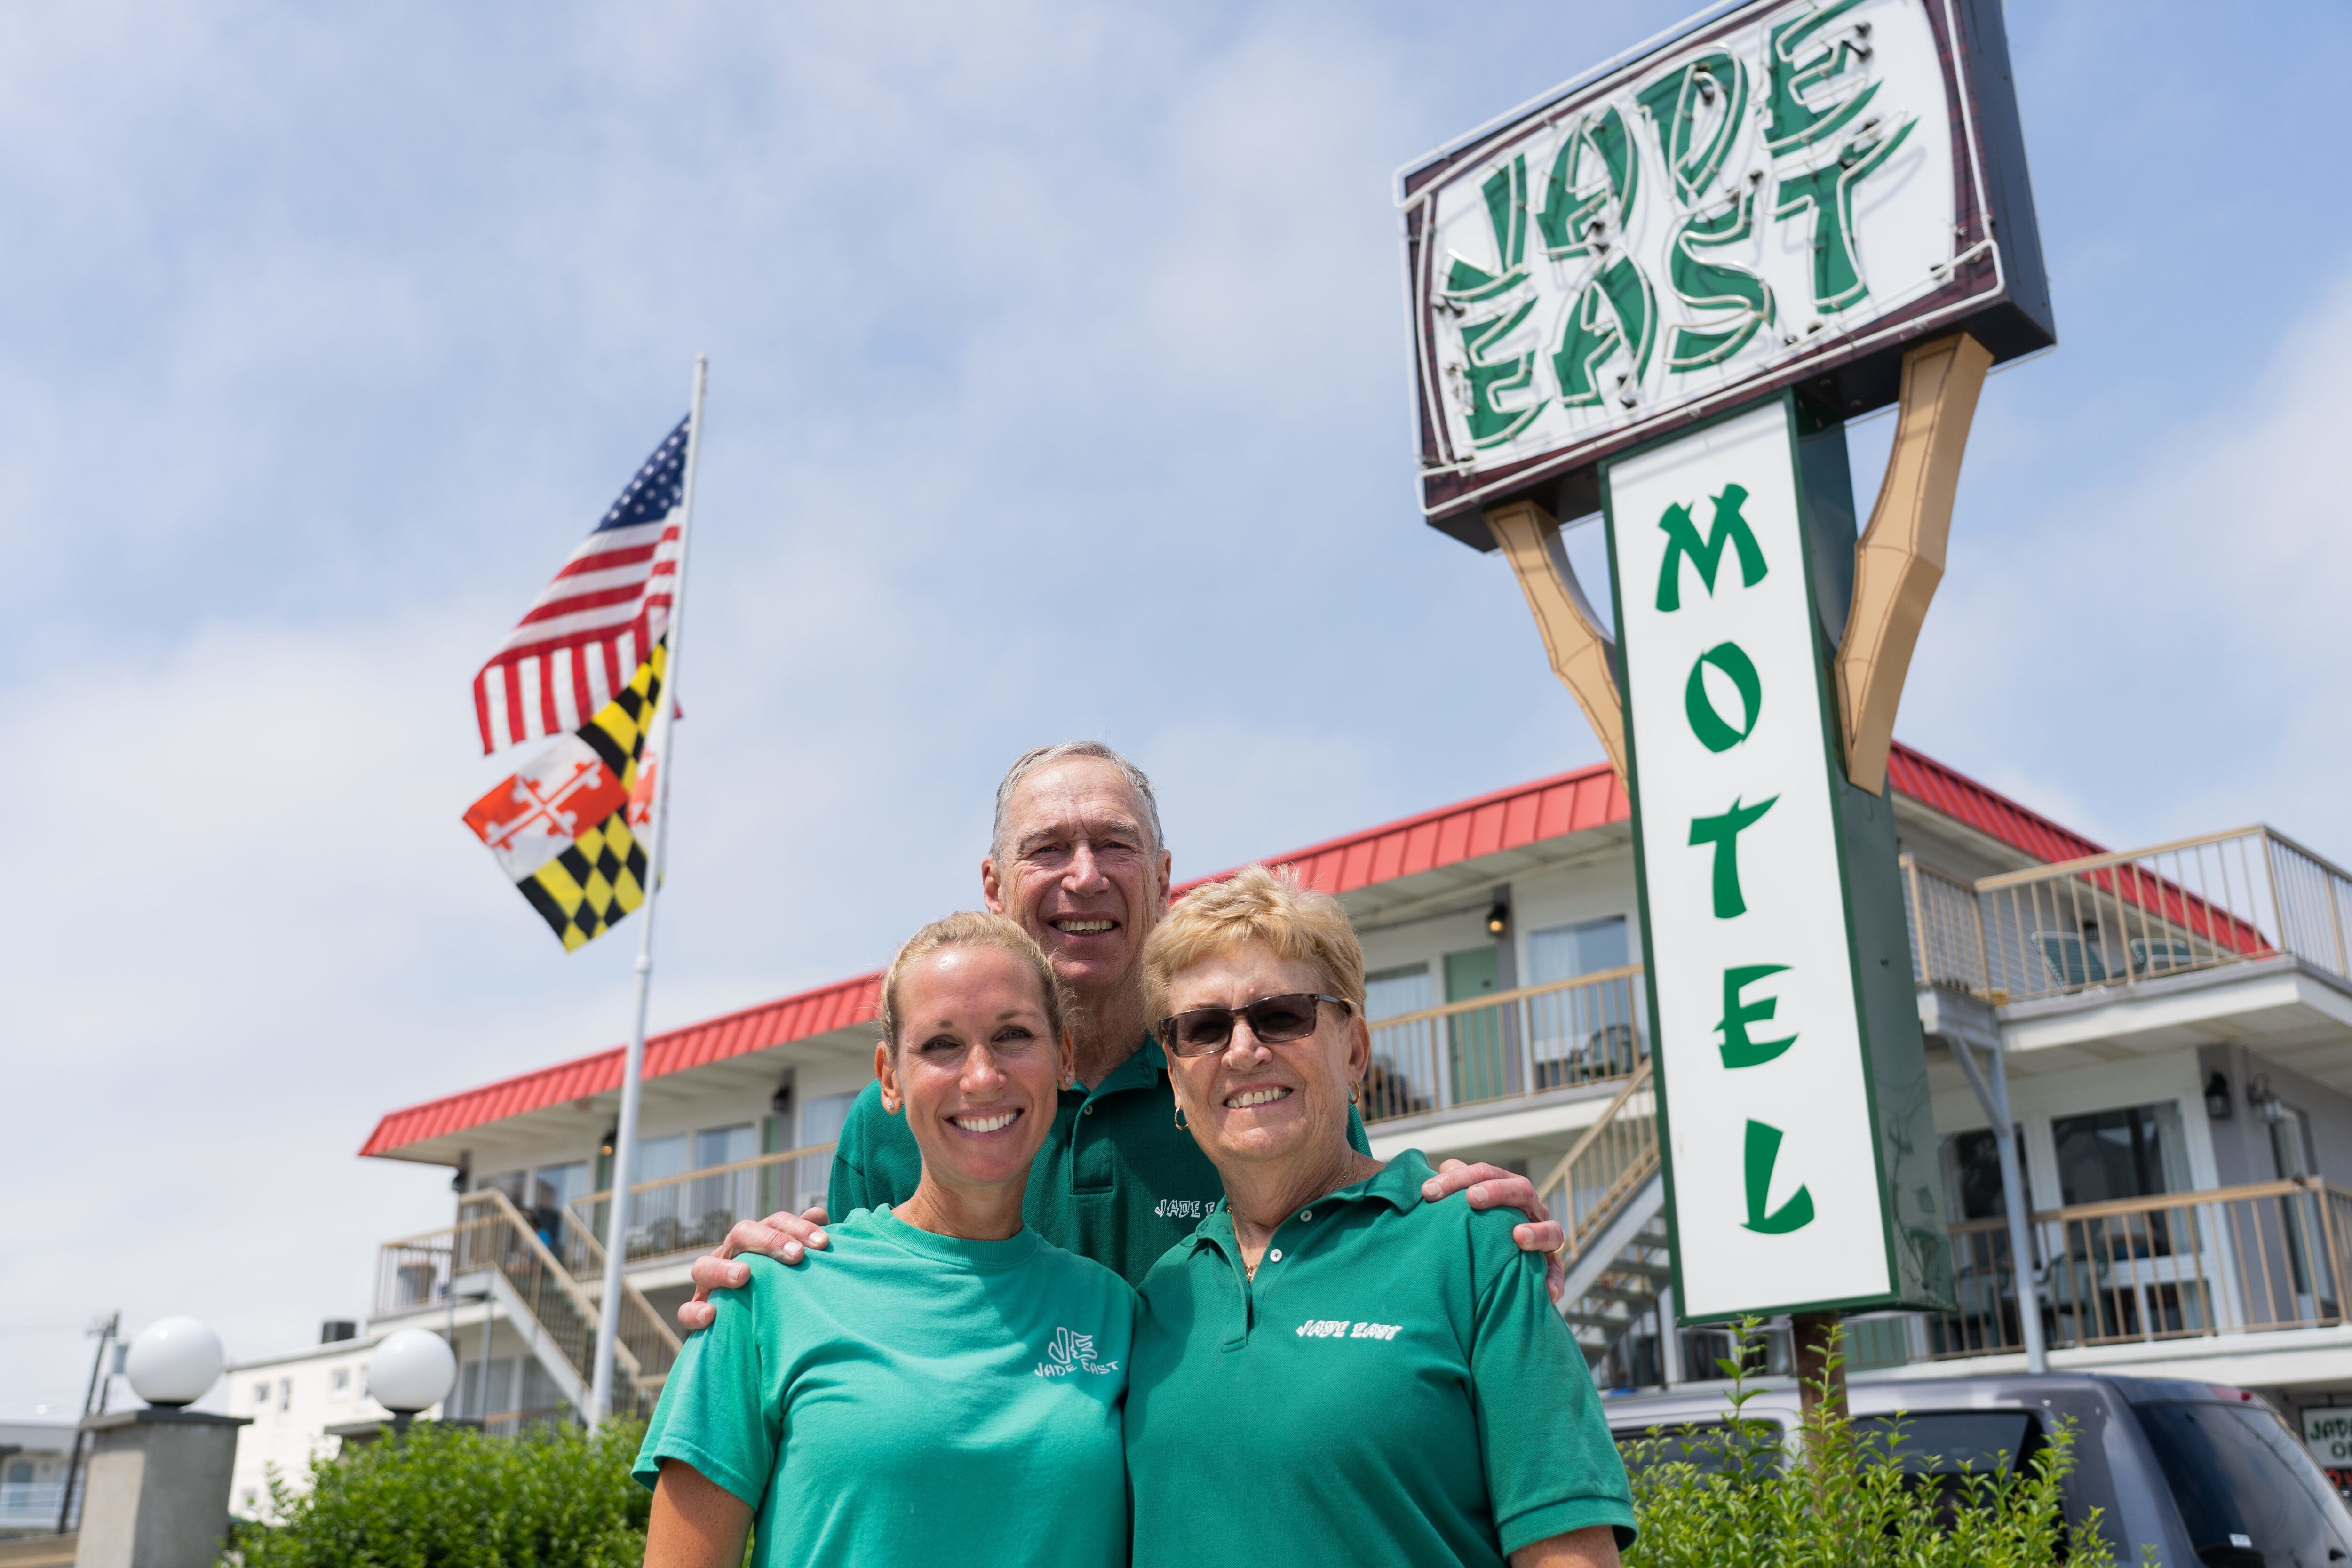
(643, 1331)
(1597, 1177)
(498, 1236)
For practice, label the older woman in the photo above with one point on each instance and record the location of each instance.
(942, 1384)
(1353, 1375)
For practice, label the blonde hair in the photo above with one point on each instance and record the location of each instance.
(1267, 906)
(971, 928)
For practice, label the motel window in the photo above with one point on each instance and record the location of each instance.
(821, 1119)
(1393, 991)
(554, 1186)
(516, 1184)
(660, 1157)
(1972, 1173)
(261, 1396)
(2138, 1152)
(342, 1379)
(1588, 947)
(725, 1145)
(285, 1393)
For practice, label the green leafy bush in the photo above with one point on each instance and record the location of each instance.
(1733, 1498)
(445, 1497)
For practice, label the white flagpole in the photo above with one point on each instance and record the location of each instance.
(624, 1136)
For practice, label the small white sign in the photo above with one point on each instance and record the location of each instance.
(1774, 1174)
(2327, 1433)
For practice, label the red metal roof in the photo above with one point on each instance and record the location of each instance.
(714, 1039)
(1507, 819)
(1959, 796)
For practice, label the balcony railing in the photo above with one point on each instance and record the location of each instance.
(2127, 918)
(693, 1212)
(2273, 1255)
(1507, 1045)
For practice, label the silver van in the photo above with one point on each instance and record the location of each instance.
(2203, 1474)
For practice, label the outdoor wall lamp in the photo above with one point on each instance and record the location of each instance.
(1498, 917)
(2263, 1100)
(2217, 1096)
(605, 1144)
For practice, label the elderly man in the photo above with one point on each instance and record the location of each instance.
(1078, 859)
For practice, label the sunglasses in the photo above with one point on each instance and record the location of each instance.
(1272, 1019)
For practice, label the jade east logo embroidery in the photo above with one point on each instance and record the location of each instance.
(1184, 1208)
(1072, 1352)
(1341, 1329)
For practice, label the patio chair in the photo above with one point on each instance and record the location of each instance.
(2073, 962)
(2161, 955)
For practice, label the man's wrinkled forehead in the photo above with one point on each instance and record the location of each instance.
(1075, 800)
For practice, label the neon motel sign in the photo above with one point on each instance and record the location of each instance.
(1659, 293)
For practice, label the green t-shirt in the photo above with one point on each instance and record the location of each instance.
(1117, 1181)
(908, 1397)
(1394, 1383)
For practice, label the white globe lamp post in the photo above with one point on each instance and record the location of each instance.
(175, 1363)
(411, 1371)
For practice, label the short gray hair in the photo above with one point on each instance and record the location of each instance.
(1047, 756)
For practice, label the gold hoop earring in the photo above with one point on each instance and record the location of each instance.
(1351, 1094)
(1181, 1126)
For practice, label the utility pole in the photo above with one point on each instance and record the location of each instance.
(105, 1330)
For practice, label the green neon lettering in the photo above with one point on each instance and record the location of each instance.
(1724, 832)
(1698, 108)
(1505, 191)
(1741, 1050)
(1699, 707)
(1491, 425)
(1615, 310)
(1706, 285)
(1828, 191)
(1683, 542)
(1793, 68)
(1594, 177)
(1763, 1151)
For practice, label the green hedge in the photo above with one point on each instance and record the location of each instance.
(445, 1497)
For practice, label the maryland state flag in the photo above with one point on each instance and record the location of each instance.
(562, 826)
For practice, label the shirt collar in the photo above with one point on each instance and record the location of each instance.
(1397, 1184)
(1144, 1069)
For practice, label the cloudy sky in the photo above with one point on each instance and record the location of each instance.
(1059, 387)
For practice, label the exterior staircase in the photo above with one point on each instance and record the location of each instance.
(494, 1251)
(1609, 1193)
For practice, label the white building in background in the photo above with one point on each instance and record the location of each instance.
(2176, 1025)
(294, 1402)
(33, 1458)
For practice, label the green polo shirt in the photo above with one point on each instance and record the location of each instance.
(1117, 1181)
(1395, 1387)
(910, 1397)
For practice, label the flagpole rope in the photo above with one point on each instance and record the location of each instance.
(624, 1138)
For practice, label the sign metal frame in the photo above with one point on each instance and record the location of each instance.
(1995, 287)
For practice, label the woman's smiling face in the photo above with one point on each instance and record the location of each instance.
(975, 1068)
(1258, 1103)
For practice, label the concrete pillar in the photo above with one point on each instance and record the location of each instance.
(157, 1493)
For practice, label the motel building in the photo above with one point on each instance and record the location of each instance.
(2175, 1025)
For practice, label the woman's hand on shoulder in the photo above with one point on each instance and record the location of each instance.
(1493, 1188)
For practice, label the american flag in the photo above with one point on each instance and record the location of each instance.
(600, 618)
